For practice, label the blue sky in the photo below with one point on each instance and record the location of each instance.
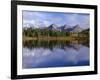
(40, 19)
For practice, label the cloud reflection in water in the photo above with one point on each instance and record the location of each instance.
(56, 57)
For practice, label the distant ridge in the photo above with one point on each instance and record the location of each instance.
(65, 28)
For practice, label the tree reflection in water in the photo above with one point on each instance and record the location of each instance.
(55, 53)
(75, 44)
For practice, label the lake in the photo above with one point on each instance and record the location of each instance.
(55, 53)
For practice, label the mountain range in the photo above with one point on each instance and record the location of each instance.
(65, 28)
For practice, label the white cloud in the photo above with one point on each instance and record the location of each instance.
(47, 23)
(72, 20)
(28, 23)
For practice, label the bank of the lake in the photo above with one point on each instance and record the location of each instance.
(53, 38)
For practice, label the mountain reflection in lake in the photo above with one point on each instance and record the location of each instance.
(55, 53)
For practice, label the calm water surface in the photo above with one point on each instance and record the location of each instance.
(55, 53)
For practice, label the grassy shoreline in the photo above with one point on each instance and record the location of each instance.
(51, 38)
